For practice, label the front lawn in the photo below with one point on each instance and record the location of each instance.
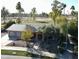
(22, 53)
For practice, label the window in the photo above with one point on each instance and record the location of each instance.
(17, 33)
(12, 33)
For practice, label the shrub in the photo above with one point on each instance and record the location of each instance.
(18, 20)
(8, 24)
(73, 28)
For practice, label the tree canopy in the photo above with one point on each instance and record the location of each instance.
(19, 8)
(4, 13)
(33, 13)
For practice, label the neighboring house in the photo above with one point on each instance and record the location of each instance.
(15, 30)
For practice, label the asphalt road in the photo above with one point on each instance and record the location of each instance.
(16, 57)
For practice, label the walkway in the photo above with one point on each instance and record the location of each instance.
(16, 57)
(5, 40)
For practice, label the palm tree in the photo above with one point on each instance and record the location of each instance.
(33, 13)
(64, 6)
(55, 11)
(19, 8)
(4, 13)
(72, 8)
(72, 11)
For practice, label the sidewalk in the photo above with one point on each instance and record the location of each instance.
(16, 57)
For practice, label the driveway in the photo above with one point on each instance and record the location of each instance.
(3, 34)
(5, 40)
(16, 57)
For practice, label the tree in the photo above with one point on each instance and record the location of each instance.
(72, 10)
(4, 13)
(74, 13)
(64, 6)
(48, 39)
(55, 11)
(9, 24)
(18, 21)
(33, 13)
(19, 8)
(62, 23)
(44, 14)
(73, 28)
(73, 31)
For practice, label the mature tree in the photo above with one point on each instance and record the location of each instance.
(20, 9)
(73, 31)
(4, 13)
(44, 14)
(48, 39)
(55, 11)
(62, 24)
(33, 13)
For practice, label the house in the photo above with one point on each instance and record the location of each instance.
(15, 31)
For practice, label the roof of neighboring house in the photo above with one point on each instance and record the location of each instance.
(24, 27)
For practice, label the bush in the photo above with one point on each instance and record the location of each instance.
(73, 28)
(18, 20)
(8, 24)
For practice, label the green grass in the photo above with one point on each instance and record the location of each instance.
(18, 53)
(22, 53)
